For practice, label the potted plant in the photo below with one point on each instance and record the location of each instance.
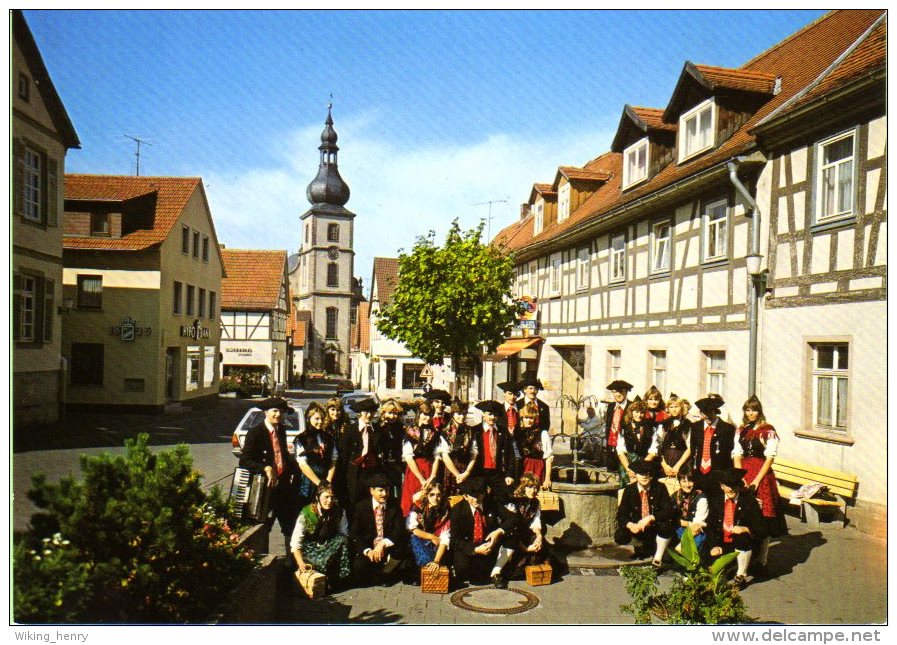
(699, 594)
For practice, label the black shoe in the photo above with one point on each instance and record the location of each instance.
(499, 582)
(740, 582)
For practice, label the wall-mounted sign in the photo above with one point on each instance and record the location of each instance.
(527, 306)
(527, 324)
(195, 331)
(128, 330)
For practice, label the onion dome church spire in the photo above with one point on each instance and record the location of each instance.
(328, 187)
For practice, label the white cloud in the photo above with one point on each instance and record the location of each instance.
(398, 192)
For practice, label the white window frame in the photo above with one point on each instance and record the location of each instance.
(583, 266)
(614, 364)
(715, 377)
(554, 273)
(564, 202)
(716, 232)
(617, 259)
(661, 247)
(658, 363)
(533, 279)
(840, 408)
(685, 152)
(822, 167)
(28, 320)
(539, 220)
(208, 366)
(31, 186)
(637, 148)
(194, 356)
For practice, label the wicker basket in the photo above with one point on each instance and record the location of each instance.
(314, 584)
(549, 501)
(538, 575)
(435, 581)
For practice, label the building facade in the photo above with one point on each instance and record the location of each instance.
(321, 277)
(41, 135)
(143, 276)
(254, 308)
(733, 242)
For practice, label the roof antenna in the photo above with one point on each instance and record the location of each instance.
(489, 218)
(138, 141)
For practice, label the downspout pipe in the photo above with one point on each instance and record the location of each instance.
(753, 309)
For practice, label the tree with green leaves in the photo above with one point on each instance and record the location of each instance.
(451, 300)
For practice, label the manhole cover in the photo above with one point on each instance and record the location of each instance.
(487, 600)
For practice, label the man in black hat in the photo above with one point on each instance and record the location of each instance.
(712, 442)
(645, 514)
(360, 452)
(613, 421)
(265, 450)
(511, 423)
(379, 536)
(477, 535)
(735, 522)
(530, 387)
(493, 449)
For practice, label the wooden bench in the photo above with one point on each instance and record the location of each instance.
(791, 475)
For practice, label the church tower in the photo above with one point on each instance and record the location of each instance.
(321, 272)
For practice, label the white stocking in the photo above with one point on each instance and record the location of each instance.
(743, 560)
(504, 554)
(662, 544)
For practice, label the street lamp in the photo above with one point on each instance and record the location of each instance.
(753, 262)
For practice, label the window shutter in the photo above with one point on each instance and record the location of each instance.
(19, 175)
(52, 194)
(43, 186)
(49, 309)
(39, 316)
(17, 306)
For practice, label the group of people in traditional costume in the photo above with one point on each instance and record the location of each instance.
(375, 500)
(725, 491)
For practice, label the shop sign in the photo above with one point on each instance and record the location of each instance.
(532, 325)
(527, 306)
(195, 331)
(128, 330)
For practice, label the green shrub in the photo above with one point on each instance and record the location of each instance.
(136, 540)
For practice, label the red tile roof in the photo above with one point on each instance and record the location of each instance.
(572, 173)
(386, 276)
(361, 331)
(798, 60)
(736, 79)
(172, 195)
(297, 326)
(652, 118)
(254, 279)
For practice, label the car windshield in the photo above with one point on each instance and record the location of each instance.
(352, 398)
(290, 420)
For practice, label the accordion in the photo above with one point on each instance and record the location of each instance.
(251, 495)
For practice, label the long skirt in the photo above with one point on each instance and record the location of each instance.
(424, 551)
(333, 557)
(534, 466)
(767, 495)
(307, 487)
(412, 485)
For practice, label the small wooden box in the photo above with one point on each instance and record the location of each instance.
(538, 574)
(314, 584)
(549, 501)
(434, 582)
(454, 499)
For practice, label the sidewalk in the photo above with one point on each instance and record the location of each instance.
(820, 576)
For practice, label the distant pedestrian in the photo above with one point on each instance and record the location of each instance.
(266, 384)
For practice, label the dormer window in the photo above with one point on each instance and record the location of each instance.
(564, 202)
(696, 129)
(635, 163)
(540, 212)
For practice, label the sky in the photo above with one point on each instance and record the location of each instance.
(438, 112)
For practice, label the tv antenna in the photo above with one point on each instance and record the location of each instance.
(138, 141)
(489, 218)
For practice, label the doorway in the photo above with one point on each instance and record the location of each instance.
(573, 371)
(171, 364)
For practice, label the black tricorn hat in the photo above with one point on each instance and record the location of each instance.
(731, 477)
(472, 486)
(642, 467)
(709, 404)
(274, 403)
(367, 404)
(619, 385)
(508, 386)
(528, 381)
(378, 480)
(438, 395)
(489, 405)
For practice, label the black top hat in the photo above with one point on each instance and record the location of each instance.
(378, 480)
(619, 385)
(274, 403)
(507, 386)
(494, 407)
(642, 467)
(438, 395)
(472, 486)
(709, 404)
(530, 381)
(367, 404)
(731, 477)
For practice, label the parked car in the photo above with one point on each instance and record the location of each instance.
(353, 396)
(294, 420)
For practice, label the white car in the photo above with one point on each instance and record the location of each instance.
(294, 421)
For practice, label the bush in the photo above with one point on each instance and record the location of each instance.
(137, 540)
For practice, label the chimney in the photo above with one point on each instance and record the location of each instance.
(524, 210)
